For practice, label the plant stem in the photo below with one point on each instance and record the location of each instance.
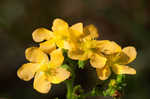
(70, 82)
(69, 89)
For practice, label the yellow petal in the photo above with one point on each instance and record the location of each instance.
(59, 25)
(42, 34)
(119, 58)
(57, 58)
(60, 43)
(98, 61)
(108, 47)
(130, 52)
(34, 54)
(122, 69)
(41, 84)
(26, 71)
(103, 73)
(91, 32)
(77, 29)
(58, 75)
(48, 46)
(63, 44)
(78, 55)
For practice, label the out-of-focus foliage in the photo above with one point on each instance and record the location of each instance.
(124, 21)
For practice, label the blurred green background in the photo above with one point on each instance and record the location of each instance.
(125, 21)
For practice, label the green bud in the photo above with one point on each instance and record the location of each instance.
(119, 78)
(112, 83)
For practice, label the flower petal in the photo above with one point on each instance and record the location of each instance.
(108, 47)
(77, 29)
(59, 75)
(27, 71)
(130, 52)
(34, 54)
(48, 46)
(63, 44)
(59, 25)
(103, 73)
(98, 61)
(91, 32)
(118, 58)
(122, 69)
(41, 84)
(42, 34)
(78, 55)
(57, 58)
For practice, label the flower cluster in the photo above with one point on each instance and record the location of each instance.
(81, 44)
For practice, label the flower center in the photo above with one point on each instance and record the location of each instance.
(48, 71)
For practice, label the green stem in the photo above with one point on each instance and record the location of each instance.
(69, 89)
(70, 82)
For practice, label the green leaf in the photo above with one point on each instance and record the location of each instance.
(93, 92)
(109, 92)
(81, 64)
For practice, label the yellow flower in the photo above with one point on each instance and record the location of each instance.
(45, 71)
(61, 35)
(117, 62)
(89, 48)
(93, 50)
